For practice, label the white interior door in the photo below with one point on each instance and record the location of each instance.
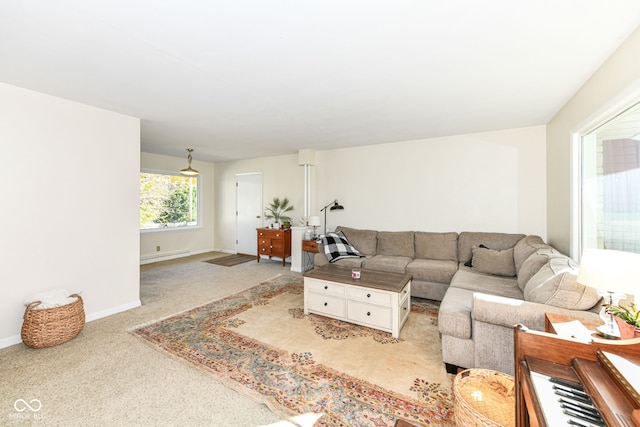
(248, 212)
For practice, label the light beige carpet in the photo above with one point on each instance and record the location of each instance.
(107, 377)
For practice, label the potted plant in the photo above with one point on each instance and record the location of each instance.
(277, 210)
(627, 319)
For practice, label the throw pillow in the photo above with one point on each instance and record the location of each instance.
(490, 261)
(336, 246)
(470, 262)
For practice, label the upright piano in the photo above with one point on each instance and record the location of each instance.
(568, 382)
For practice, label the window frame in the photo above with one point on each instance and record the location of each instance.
(617, 106)
(198, 225)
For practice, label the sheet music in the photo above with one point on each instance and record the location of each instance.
(573, 329)
(627, 369)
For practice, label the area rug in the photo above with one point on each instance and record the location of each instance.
(231, 260)
(260, 343)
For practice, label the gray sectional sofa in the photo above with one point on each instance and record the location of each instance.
(486, 282)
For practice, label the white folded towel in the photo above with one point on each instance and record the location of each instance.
(51, 299)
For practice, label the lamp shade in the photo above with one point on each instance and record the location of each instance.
(314, 221)
(613, 271)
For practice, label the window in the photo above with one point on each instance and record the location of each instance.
(610, 190)
(168, 200)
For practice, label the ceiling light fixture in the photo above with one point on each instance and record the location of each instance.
(189, 171)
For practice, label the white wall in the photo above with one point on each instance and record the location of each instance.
(281, 177)
(492, 181)
(175, 242)
(614, 86)
(70, 205)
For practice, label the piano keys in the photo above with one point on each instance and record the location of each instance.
(540, 357)
(565, 403)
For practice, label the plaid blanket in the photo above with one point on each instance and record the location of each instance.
(336, 246)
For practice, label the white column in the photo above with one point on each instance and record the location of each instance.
(307, 158)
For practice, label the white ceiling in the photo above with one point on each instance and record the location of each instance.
(250, 78)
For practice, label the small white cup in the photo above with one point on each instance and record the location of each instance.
(355, 273)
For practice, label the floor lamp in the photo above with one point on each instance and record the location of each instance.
(335, 206)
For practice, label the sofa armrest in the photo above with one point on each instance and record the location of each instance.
(508, 312)
(320, 258)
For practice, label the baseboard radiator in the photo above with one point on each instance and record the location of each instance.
(164, 256)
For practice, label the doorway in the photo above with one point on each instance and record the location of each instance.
(248, 212)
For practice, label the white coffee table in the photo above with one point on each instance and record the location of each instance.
(378, 299)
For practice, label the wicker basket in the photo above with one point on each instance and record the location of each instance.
(52, 326)
(483, 397)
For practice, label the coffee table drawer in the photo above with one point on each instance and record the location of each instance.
(405, 309)
(369, 295)
(327, 304)
(323, 288)
(370, 314)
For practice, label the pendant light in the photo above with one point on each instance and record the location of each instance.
(189, 171)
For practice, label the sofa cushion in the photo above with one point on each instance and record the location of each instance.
(534, 263)
(555, 284)
(440, 246)
(336, 247)
(466, 278)
(498, 241)
(454, 315)
(393, 264)
(396, 243)
(432, 270)
(524, 248)
(491, 261)
(363, 240)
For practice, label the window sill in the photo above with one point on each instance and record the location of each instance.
(171, 229)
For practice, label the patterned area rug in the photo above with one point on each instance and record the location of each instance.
(260, 343)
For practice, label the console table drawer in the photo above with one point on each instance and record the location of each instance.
(327, 304)
(271, 234)
(369, 295)
(370, 314)
(324, 288)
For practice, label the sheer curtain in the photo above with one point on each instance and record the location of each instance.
(611, 184)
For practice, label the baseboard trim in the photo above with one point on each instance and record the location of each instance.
(113, 310)
(150, 259)
(9, 341)
(17, 339)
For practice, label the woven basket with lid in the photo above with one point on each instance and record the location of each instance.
(485, 398)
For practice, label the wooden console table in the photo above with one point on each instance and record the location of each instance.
(274, 243)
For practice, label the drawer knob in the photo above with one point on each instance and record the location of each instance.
(326, 304)
(326, 287)
(368, 295)
(368, 313)
(404, 308)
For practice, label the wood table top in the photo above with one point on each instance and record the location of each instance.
(374, 279)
